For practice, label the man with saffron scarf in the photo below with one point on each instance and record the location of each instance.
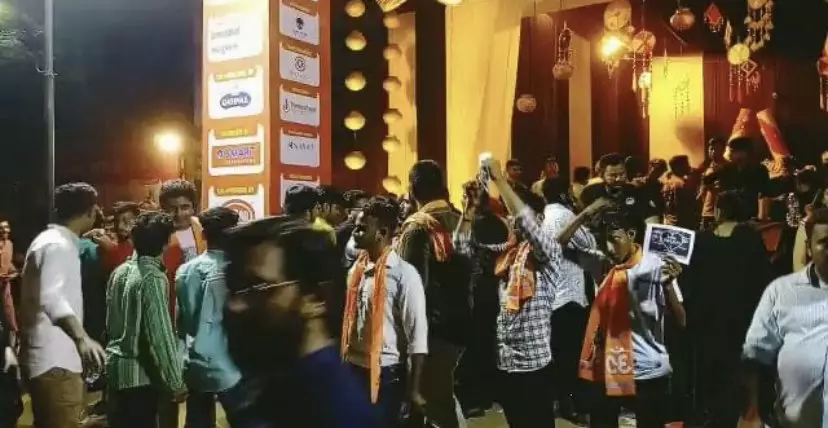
(385, 316)
(623, 352)
(425, 242)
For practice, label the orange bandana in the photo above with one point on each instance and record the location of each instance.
(516, 262)
(377, 320)
(607, 352)
(440, 238)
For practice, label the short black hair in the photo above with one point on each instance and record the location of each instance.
(352, 196)
(300, 199)
(556, 190)
(610, 159)
(818, 216)
(73, 200)
(741, 144)
(385, 210)
(513, 162)
(717, 141)
(215, 221)
(551, 159)
(733, 205)
(625, 220)
(331, 196)
(581, 174)
(124, 207)
(151, 233)
(678, 162)
(427, 183)
(176, 189)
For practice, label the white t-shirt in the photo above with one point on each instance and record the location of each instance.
(186, 240)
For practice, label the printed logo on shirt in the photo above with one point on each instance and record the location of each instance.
(630, 201)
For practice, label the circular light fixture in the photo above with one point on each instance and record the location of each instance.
(355, 8)
(355, 81)
(391, 20)
(391, 52)
(391, 116)
(356, 41)
(354, 121)
(391, 84)
(355, 160)
(392, 184)
(390, 144)
(526, 103)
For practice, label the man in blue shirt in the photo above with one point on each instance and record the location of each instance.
(201, 291)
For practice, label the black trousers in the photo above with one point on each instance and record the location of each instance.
(134, 408)
(527, 399)
(568, 329)
(651, 405)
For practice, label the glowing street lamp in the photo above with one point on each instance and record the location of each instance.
(172, 143)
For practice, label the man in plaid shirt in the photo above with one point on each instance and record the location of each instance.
(524, 323)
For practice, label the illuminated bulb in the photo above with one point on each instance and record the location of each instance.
(354, 121)
(356, 41)
(391, 116)
(526, 103)
(392, 184)
(355, 8)
(355, 160)
(391, 52)
(391, 20)
(450, 2)
(610, 46)
(391, 84)
(390, 144)
(355, 81)
(645, 80)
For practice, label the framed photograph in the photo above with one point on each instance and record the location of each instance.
(671, 241)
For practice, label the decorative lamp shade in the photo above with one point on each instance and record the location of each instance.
(355, 160)
(562, 71)
(355, 8)
(355, 81)
(356, 41)
(392, 184)
(738, 54)
(682, 19)
(390, 144)
(526, 103)
(389, 5)
(391, 20)
(450, 2)
(391, 116)
(354, 121)
(391, 84)
(391, 52)
(645, 80)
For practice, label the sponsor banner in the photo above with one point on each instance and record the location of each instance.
(237, 151)
(246, 200)
(290, 180)
(299, 148)
(298, 105)
(234, 36)
(299, 22)
(238, 93)
(298, 65)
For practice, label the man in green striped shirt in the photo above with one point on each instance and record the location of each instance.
(143, 362)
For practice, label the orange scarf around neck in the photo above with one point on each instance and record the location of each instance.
(516, 265)
(377, 317)
(440, 238)
(607, 351)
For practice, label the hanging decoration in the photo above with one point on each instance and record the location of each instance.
(391, 52)
(758, 23)
(713, 18)
(642, 46)
(728, 35)
(822, 68)
(683, 18)
(391, 116)
(389, 5)
(745, 77)
(527, 103)
(617, 15)
(354, 121)
(355, 8)
(355, 81)
(355, 41)
(391, 20)
(390, 144)
(563, 63)
(355, 160)
(391, 84)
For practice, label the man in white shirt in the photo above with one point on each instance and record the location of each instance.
(385, 307)
(55, 347)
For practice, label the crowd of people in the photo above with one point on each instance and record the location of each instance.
(359, 310)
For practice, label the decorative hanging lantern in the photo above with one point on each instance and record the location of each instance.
(562, 70)
(391, 84)
(391, 116)
(617, 15)
(355, 8)
(614, 46)
(822, 69)
(758, 23)
(642, 47)
(745, 76)
(392, 185)
(390, 144)
(391, 52)
(356, 41)
(391, 20)
(713, 18)
(355, 160)
(355, 81)
(354, 121)
(526, 103)
(389, 5)
(682, 19)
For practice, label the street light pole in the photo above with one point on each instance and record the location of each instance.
(49, 74)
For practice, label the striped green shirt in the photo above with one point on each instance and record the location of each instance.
(142, 347)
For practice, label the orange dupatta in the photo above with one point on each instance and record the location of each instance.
(516, 265)
(440, 238)
(375, 340)
(607, 352)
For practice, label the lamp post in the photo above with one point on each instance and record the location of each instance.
(49, 76)
(172, 143)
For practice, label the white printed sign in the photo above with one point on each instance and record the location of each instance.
(234, 36)
(249, 205)
(237, 94)
(222, 151)
(298, 67)
(299, 148)
(298, 24)
(671, 241)
(298, 108)
(287, 183)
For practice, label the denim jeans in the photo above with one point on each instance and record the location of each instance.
(389, 406)
(237, 403)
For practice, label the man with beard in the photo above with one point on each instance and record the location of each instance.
(113, 253)
(385, 320)
(279, 328)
